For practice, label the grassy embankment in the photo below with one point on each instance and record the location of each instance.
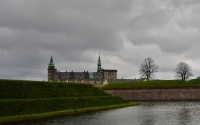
(157, 84)
(22, 100)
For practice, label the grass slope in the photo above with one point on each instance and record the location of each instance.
(32, 99)
(63, 112)
(158, 84)
(21, 89)
(34, 106)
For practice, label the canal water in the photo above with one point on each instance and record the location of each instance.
(148, 113)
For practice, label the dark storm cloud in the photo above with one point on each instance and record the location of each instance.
(74, 31)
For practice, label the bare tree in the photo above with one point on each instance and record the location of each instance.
(148, 68)
(183, 71)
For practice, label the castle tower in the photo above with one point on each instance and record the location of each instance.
(99, 64)
(51, 70)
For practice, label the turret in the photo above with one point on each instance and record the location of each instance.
(51, 69)
(99, 64)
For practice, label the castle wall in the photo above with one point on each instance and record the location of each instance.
(98, 75)
(98, 82)
(51, 72)
(64, 75)
(110, 74)
(91, 75)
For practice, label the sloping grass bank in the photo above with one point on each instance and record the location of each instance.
(21, 89)
(34, 106)
(64, 112)
(157, 84)
(22, 100)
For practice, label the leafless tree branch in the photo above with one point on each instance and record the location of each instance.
(148, 68)
(183, 71)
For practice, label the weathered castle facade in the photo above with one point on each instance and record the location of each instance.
(97, 78)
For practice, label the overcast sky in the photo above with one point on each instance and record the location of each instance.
(74, 31)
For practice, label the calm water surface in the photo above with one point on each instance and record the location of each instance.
(148, 113)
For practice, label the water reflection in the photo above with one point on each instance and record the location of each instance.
(148, 119)
(186, 113)
(184, 116)
(149, 113)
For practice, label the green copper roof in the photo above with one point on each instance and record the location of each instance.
(99, 63)
(51, 62)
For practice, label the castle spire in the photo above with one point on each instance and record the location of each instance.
(51, 61)
(99, 63)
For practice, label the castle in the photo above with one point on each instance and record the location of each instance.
(96, 78)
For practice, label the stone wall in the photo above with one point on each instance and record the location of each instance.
(157, 94)
(109, 74)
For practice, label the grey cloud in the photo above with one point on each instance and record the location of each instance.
(171, 36)
(75, 31)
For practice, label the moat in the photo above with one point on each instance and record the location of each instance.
(148, 113)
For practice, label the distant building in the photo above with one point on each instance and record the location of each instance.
(97, 78)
